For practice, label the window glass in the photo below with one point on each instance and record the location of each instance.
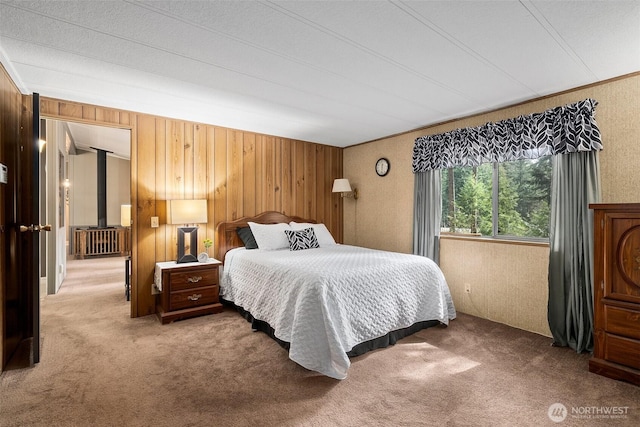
(524, 198)
(509, 199)
(466, 199)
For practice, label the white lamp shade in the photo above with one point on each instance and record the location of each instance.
(186, 211)
(341, 185)
(125, 215)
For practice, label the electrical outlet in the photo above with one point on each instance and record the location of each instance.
(154, 222)
(467, 288)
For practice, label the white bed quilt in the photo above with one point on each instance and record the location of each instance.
(325, 301)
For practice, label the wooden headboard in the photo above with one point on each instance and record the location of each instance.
(226, 232)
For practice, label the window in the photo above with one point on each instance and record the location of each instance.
(509, 199)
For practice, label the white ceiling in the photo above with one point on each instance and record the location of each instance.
(117, 142)
(333, 72)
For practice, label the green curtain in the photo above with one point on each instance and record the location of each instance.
(575, 183)
(427, 213)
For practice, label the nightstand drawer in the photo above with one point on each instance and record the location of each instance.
(194, 278)
(187, 289)
(193, 297)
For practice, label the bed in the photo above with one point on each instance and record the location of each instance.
(326, 302)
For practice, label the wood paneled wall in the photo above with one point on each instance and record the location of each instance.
(18, 292)
(240, 174)
(10, 114)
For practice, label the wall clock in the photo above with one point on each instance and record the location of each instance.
(382, 166)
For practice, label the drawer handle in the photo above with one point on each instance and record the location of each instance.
(194, 279)
(194, 297)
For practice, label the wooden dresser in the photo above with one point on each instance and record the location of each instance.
(616, 351)
(187, 289)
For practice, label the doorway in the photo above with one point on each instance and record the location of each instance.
(72, 196)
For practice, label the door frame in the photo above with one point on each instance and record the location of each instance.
(111, 118)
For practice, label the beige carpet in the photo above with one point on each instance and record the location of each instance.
(101, 368)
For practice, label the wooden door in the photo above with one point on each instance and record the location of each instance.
(20, 236)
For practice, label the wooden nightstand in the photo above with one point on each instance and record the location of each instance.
(187, 289)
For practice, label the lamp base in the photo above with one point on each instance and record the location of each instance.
(191, 256)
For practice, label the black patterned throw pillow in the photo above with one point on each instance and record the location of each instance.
(302, 239)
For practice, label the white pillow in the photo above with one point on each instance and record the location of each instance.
(270, 236)
(322, 233)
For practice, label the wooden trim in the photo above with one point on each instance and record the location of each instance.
(59, 109)
(617, 207)
(614, 371)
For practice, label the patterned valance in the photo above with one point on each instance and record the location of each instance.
(560, 130)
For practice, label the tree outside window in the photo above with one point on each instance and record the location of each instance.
(509, 199)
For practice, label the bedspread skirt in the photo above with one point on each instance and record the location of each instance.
(382, 342)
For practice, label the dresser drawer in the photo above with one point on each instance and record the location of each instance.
(621, 321)
(193, 297)
(194, 278)
(622, 350)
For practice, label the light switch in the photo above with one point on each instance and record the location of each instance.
(154, 222)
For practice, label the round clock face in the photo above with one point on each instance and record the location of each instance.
(382, 166)
(203, 257)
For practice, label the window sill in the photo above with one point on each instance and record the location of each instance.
(504, 241)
